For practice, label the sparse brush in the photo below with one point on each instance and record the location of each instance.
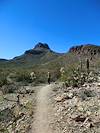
(76, 78)
(84, 94)
(23, 77)
(3, 80)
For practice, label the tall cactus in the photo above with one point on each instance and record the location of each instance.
(81, 65)
(87, 65)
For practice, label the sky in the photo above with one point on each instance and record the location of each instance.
(59, 23)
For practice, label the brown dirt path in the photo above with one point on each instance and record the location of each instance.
(43, 111)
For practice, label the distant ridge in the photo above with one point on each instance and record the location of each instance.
(87, 49)
(3, 60)
(42, 57)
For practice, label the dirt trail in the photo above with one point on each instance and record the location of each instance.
(43, 111)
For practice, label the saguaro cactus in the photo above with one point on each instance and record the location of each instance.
(87, 65)
(18, 100)
(81, 65)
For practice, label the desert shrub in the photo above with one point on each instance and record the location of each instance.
(23, 77)
(69, 77)
(74, 77)
(86, 94)
(6, 115)
(3, 129)
(3, 80)
(41, 78)
(11, 88)
(29, 105)
(92, 77)
(89, 93)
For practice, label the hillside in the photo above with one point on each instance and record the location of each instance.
(40, 54)
(42, 59)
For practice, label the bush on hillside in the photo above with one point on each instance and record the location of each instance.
(3, 80)
(23, 77)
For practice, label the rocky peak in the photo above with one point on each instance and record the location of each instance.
(38, 49)
(41, 46)
(88, 49)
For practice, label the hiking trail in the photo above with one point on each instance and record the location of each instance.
(43, 111)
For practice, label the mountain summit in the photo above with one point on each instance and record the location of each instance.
(41, 46)
(40, 54)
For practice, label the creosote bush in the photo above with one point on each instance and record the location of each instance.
(3, 80)
(23, 77)
(84, 94)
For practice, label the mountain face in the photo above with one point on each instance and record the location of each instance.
(42, 57)
(89, 49)
(40, 54)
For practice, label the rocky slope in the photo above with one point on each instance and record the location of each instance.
(88, 49)
(77, 110)
(66, 109)
(16, 116)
